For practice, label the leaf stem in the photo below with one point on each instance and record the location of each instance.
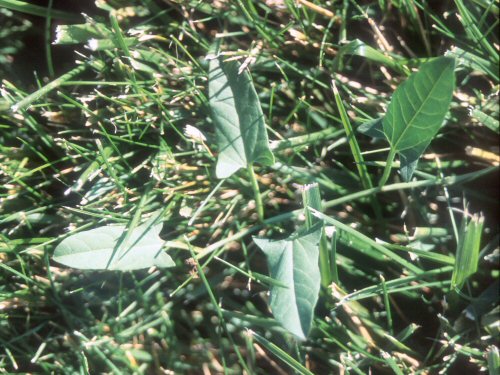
(256, 192)
(388, 167)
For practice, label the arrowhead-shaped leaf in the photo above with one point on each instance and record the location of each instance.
(239, 121)
(93, 249)
(294, 263)
(417, 110)
(372, 128)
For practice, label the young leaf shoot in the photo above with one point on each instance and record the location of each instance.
(238, 118)
(239, 123)
(416, 112)
(294, 263)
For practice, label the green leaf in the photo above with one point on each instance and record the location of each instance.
(239, 121)
(372, 128)
(94, 249)
(81, 33)
(40, 11)
(364, 243)
(493, 358)
(474, 62)
(408, 160)
(468, 250)
(417, 110)
(487, 112)
(360, 48)
(311, 198)
(294, 263)
(282, 355)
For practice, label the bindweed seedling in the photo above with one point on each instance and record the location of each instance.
(112, 248)
(416, 113)
(239, 123)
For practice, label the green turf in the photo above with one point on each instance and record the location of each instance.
(93, 132)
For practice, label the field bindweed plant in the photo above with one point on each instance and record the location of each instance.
(252, 187)
(239, 123)
(416, 113)
(301, 263)
(115, 248)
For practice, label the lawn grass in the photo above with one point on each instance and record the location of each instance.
(93, 132)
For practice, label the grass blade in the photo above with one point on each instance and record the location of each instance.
(467, 256)
(281, 354)
(36, 10)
